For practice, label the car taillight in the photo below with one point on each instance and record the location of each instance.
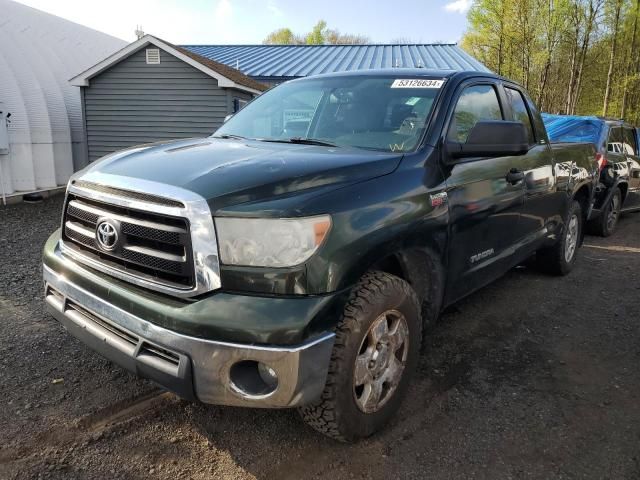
(601, 160)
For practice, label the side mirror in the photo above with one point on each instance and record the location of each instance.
(226, 119)
(492, 138)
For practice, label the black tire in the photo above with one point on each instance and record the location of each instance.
(337, 414)
(554, 259)
(606, 223)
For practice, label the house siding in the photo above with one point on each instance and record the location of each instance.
(133, 103)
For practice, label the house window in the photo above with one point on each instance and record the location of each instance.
(153, 56)
(238, 104)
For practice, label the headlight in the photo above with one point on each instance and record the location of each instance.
(266, 242)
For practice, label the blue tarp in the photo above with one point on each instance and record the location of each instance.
(573, 128)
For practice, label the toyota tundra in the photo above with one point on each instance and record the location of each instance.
(298, 256)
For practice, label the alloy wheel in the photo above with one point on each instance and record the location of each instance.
(381, 361)
(571, 242)
(614, 210)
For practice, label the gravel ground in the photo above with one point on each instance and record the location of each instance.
(531, 377)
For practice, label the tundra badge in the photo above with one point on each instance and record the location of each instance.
(482, 255)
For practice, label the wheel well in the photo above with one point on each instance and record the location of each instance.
(623, 191)
(582, 197)
(422, 269)
(391, 265)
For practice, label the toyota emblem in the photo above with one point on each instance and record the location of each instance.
(107, 235)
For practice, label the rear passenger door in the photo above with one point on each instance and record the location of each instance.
(630, 147)
(540, 202)
(484, 208)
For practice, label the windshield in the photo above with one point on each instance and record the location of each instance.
(375, 113)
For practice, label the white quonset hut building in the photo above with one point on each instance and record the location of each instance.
(42, 143)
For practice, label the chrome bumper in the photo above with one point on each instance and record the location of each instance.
(194, 368)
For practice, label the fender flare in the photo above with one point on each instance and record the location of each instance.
(607, 198)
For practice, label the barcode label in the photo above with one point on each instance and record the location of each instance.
(416, 83)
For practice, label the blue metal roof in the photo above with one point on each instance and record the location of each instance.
(290, 61)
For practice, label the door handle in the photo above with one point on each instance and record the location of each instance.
(514, 176)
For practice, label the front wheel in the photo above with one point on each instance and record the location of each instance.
(376, 349)
(560, 258)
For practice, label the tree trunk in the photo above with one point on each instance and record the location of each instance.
(630, 61)
(574, 55)
(612, 58)
(501, 41)
(594, 9)
(551, 44)
(572, 76)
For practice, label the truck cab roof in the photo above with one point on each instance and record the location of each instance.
(406, 72)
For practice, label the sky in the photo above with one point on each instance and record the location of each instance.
(250, 21)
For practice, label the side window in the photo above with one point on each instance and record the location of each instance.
(614, 142)
(477, 103)
(520, 112)
(629, 142)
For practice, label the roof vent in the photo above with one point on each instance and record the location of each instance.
(153, 56)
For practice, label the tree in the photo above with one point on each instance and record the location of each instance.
(585, 16)
(575, 56)
(487, 37)
(319, 35)
(631, 50)
(283, 36)
(617, 7)
(553, 23)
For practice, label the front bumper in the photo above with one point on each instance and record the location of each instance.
(194, 368)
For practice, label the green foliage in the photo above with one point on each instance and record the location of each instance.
(319, 35)
(283, 36)
(565, 52)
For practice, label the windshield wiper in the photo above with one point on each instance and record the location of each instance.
(299, 140)
(312, 141)
(230, 135)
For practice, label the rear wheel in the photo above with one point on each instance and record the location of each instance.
(560, 258)
(606, 223)
(376, 349)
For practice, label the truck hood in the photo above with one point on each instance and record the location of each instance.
(227, 171)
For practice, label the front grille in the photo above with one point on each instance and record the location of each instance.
(121, 192)
(151, 246)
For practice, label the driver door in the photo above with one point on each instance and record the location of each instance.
(484, 207)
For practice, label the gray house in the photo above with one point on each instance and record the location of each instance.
(152, 91)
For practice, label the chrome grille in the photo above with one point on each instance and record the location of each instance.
(122, 192)
(151, 246)
(151, 233)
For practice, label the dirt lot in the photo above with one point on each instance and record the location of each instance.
(532, 377)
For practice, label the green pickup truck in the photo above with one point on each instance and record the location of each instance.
(297, 257)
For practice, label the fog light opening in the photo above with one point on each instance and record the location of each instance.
(251, 378)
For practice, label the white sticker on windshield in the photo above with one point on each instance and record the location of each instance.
(416, 83)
